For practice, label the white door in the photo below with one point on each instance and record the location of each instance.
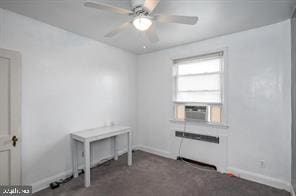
(10, 117)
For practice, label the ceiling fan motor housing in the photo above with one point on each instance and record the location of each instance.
(137, 3)
(138, 8)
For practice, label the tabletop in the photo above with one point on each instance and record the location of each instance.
(100, 132)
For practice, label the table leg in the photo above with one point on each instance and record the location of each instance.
(129, 141)
(87, 164)
(74, 157)
(115, 148)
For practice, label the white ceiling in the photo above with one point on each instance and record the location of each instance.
(216, 17)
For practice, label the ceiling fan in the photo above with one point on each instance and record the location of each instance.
(143, 19)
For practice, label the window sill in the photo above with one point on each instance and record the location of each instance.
(204, 124)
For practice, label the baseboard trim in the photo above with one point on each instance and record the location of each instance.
(44, 183)
(280, 184)
(155, 151)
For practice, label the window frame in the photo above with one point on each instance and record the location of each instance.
(223, 87)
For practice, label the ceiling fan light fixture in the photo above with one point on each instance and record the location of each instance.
(143, 17)
(142, 23)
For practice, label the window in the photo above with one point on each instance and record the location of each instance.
(199, 88)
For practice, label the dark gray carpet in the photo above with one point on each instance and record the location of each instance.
(152, 175)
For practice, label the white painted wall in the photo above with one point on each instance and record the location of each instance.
(259, 101)
(69, 83)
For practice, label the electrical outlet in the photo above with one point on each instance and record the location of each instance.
(262, 164)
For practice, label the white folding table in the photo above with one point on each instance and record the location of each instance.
(91, 135)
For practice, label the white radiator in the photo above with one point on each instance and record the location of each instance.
(202, 151)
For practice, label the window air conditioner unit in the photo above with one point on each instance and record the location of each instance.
(198, 113)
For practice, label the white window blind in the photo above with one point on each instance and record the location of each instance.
(198, 79)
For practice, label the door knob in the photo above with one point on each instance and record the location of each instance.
(14, 140)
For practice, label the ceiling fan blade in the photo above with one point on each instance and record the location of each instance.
(119, 29)
(190, 20)
(152, 34)
(109, 8)
(150, 5)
